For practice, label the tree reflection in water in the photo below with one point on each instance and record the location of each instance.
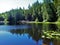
(36, 32)
(53, 27)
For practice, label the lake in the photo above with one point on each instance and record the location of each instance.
(27, 34)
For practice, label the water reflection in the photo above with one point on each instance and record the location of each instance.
(35, 31)
(47, 42)
(53, 27)
(56, 42)
(29, 34)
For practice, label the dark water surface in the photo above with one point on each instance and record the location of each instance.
(26, 34)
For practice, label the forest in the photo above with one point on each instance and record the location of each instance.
(47, 11)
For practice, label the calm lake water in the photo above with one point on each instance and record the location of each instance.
(27, 34)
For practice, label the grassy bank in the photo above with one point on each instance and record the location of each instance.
(44, 22)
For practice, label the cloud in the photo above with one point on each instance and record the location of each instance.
(6, 5)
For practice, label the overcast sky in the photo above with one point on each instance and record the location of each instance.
(6, 5)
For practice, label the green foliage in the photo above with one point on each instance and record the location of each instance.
(48, 11)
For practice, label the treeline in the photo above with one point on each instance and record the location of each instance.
(47, 11)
